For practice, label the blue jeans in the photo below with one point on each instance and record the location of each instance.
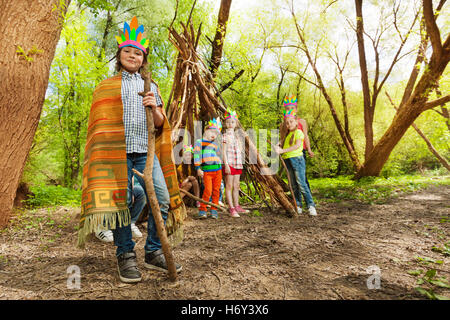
(306, 178)
(122, 235)
(297, 173)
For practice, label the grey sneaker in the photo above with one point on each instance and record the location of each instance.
(127, 267)
(155, 260)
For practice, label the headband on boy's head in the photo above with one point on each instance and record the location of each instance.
(290, 101)
(289, 113)
(133, 35)
(188, 148)
(214, 124)
(230, 114)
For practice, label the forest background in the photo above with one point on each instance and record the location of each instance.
(261, 62)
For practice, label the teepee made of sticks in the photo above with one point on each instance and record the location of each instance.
(194, 96)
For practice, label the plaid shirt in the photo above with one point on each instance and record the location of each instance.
(134, 118)
(233, 152)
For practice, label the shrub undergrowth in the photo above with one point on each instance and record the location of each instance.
(49, 195)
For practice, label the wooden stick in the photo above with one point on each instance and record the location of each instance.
(203, 201)
(190, 195)
(148, 179)
(246, 195)
(289, 180)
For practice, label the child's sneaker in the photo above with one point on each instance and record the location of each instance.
(233, 213)
(312, 211)
(202, 214)
(214, 214)
(299, 210)
(135, 231)
(239, 209)
(105, 235)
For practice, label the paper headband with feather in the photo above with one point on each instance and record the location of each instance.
(133, 35)
(230, 114)
(188, 148)
(289, 113)
(214, 124)
(290, 101)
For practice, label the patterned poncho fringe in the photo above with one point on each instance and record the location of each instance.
(104, 188)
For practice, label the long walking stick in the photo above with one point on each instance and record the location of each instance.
(289, 182)
(288, 177)
(148, 179)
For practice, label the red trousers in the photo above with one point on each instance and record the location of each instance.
(211, 181)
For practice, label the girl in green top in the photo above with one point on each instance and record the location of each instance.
(292, 153)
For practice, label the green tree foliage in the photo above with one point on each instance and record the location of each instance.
(61, 135)
(261, 46)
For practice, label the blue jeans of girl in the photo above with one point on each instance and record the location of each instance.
(297, 173)
(122, 235)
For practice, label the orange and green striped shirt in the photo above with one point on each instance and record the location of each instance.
(206, 156)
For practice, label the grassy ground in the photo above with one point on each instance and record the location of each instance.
(325, 190)
(372, 189)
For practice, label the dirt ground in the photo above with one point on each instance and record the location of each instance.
(258, 256)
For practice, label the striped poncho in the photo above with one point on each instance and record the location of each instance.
(104, 188)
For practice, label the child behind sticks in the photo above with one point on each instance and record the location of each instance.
(186, 178)
(292, 153)
(208, 165)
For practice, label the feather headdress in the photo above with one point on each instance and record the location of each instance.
(214, 124)
(290, 101)
(230, 114)
(133, 35)
(289, 113)
(188, 148)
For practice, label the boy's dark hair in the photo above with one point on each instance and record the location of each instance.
(119, 66)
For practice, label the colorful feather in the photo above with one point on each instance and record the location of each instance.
(230, 114)
(188, 148)
(289, 113)
(133, 35)
(214, 124)
(290, 101)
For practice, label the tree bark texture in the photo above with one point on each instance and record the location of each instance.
(368, 111)
(29, 33)
(217, 46)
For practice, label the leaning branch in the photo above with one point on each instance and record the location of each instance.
(432, 28)
(437, 102)
(427, 141)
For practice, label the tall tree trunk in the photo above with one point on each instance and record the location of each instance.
(34, 27)
(368, 111)
(409, 111)
(217, 45)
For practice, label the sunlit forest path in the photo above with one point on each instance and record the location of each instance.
(262, 255)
